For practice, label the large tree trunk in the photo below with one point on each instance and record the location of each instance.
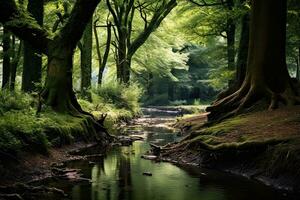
(86, 62)
(267, 76)
(32, 66)
(58, 91)
(6, 58)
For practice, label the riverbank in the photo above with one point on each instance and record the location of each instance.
(264, 146)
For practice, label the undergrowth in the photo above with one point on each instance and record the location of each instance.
(22, 130)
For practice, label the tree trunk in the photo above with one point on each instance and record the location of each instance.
(15, 62)
(243, 51)
(230, 33)
(86, 61)
(298, 66)
(32, 66)
(102, 62)
(6, 58)
(150, 84)
(267, 75)
(241, 63)
(124, 60)
(58, 91)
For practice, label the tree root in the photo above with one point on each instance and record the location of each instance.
(250, 98)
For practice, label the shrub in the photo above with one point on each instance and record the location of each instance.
(14, 101)
(121, 96)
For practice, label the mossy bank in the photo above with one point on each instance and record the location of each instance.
(261, 145)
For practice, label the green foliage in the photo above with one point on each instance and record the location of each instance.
(14, 101)
(178, 102)
(119, 102)
(21, 129)
(121, 96)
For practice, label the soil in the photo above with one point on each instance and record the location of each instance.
(30, 167)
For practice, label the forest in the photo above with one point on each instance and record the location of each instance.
(149, 99)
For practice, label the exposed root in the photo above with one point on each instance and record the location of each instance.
(247, 97)
(67, 103)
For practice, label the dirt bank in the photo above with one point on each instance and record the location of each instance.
(264, 146)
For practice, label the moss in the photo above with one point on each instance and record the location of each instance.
(21, 129)
(226, 125)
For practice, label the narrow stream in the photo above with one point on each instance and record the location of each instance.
(119, 175)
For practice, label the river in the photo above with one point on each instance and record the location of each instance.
(119, 174)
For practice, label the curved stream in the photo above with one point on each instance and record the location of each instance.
(119, 175)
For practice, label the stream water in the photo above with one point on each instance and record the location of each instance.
(119, 174)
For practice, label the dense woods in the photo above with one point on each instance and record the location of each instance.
(97, 72)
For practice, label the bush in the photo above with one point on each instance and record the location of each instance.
(14, 101)
(126, 97)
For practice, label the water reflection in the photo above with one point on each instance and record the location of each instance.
(119, 176)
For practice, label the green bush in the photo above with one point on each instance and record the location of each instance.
(14, 101)
(121, 96)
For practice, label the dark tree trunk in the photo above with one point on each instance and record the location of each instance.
(298, 66)
(6, 58)
(17, 49)
(122, 57)
(171, 87)
(32, 66)
(86, 61)
(267, 75)
(102, 62)
(150, 85)
(243, 51)
(230, 33)
(58, 91)
(241, 63)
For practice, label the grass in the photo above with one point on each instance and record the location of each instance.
(22, 130)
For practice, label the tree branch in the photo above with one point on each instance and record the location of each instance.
(22, 25)
(72, 32)
(204, 4)
(156, 20)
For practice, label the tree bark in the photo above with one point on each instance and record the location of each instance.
(267, 76)
(86, 62)
(241, 63)
(32, 66)
(298, 66)
(230, 33)
(102, 62)
(6, 58)
(17, 49)
(243, 51)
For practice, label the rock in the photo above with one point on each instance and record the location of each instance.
(155, 149)
(125, 140)
(147, 173)
(91, 163)
(149, 157)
